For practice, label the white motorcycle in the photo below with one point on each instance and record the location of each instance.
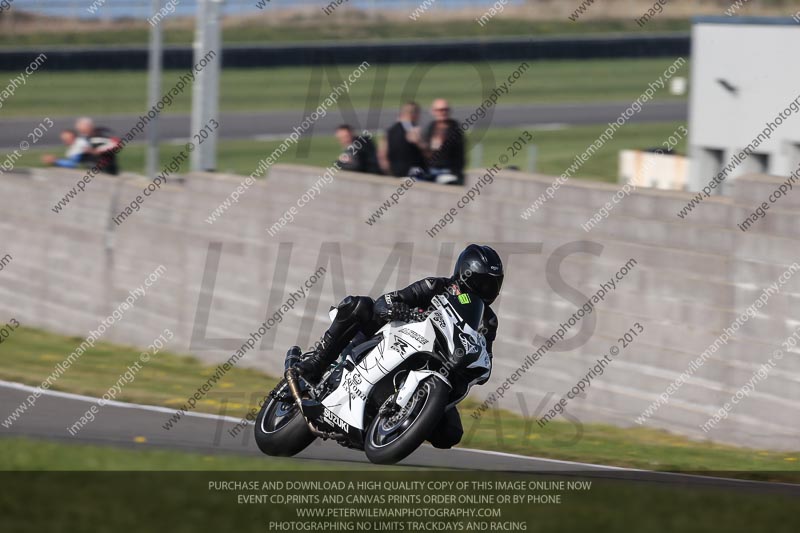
(385, 395)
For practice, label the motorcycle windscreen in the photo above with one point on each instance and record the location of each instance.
(469, 307)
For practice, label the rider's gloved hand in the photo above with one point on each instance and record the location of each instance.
(389, 307)
(416, 315)
(411, 314)
(399, 311)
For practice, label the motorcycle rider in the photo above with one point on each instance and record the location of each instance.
(478, 270)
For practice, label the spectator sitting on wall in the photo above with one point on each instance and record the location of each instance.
(358, 152)
(76, 151)
(101, 151)
(401, 149)
(444, 142)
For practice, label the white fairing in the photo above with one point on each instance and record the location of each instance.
(400, 341)
(471, 341)
(411, 382)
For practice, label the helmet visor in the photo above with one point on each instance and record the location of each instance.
(486, 287)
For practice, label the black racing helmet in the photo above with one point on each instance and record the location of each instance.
(479, 270)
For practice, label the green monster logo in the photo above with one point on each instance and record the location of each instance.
(463, 298)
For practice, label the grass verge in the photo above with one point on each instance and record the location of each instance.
(53, 93)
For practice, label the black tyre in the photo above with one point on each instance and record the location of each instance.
(391, 439)
(281, 430)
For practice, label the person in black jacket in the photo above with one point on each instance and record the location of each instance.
(444, 142)
(478, 270)
(401, 152)
(358, 152)
(103, 147)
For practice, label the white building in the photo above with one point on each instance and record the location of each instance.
(745, 98)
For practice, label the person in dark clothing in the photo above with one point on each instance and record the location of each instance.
(358, 152)
(103, 147)
(444, 142)
(478, 270)
(104, 151)
(401, 150)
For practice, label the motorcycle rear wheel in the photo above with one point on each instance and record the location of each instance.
(280, 428)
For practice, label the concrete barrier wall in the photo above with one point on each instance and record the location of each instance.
(691, 280)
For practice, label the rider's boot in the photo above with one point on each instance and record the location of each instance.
(319, 358)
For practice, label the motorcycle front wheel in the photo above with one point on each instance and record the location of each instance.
(393, 437)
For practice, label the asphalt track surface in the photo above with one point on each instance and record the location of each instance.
(141, 426)
(279, 124)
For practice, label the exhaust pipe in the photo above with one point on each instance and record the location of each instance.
(294, 388)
